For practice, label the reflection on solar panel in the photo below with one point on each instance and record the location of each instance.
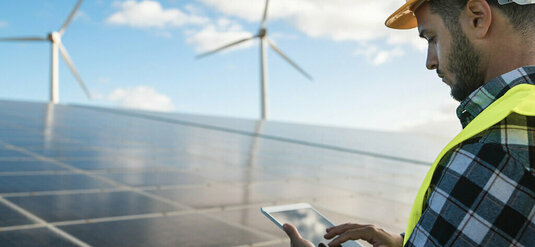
(80, 176)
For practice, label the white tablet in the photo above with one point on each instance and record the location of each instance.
(310, 223)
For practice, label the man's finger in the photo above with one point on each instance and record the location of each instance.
(348, 235)
(366, 233)
(291, 231)
(337, 230)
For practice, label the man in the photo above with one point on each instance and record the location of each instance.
(481, 189)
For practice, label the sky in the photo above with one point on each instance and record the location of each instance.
(141, 54)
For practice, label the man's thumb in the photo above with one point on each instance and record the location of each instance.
(291, 231)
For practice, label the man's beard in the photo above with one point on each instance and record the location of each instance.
(464, 61)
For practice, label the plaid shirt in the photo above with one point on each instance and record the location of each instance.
(483, 190)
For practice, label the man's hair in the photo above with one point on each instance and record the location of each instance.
(521, 17)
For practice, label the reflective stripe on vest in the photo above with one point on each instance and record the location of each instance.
(519, 99)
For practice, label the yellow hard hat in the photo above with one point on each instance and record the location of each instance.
(404, 17)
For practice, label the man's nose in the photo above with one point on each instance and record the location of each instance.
(432, 62)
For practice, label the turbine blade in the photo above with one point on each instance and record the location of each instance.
(24, 39)
(68, 60)
(223, 47)
(278, 51)
(69, 19)
(265, 14)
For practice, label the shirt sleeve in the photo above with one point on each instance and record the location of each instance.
(480, 196)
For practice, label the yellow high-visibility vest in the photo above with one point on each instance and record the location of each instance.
(519, 99)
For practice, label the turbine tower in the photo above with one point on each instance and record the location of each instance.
(264, 40)
(55, 41)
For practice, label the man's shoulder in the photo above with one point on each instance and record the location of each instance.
(511, 130)
(510, 140)
(513, 136)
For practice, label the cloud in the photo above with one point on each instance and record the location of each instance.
(147, 14)
(81, 15)
(214, 35)
(141, 97)
(377, 56)
(3, 24)
(337, 20)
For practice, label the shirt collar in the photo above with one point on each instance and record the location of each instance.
(485, 95)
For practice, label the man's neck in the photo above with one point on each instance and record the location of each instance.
(508, 56)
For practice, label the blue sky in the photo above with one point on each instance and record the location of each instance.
(141, 54)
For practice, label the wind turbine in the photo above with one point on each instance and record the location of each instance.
(55, 40)
(262, 36)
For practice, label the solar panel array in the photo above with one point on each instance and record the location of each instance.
(81, 176)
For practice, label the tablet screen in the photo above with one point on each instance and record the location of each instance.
(310, 224)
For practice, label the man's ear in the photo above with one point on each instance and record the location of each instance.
(477, 18)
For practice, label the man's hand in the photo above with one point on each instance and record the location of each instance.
(369, 233)
(295, 237)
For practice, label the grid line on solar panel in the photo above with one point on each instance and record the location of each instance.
(211, 210)
(106, 171)
(34, 237)
(123, 218)
(141, 216)
(47, 159)
(136, 216)
(41, 221)
(10, 217)
(39, 173)
(163, 232)
(17, 166)
(126, 217)
(101, 171)
(106, 180)
(16, 159)
(143, 169)
(304, 165)
(62, 192)
(21, 227)
(239, 182)
(78, 157)
(124, 188)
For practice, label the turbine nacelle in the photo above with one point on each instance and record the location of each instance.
(55, 37)
(262, 33)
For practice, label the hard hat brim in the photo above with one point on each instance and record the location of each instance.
(404, 17)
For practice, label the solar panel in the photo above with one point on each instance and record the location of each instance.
(74, 175)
